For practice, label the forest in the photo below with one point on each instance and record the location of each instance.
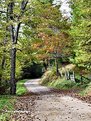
(36, 32)
(43, 39)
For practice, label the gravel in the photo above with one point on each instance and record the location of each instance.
(55, 105)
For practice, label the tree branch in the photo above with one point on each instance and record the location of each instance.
(23, 7)
(12, 33)
(3, 11)
(17, 32)
(24, 4)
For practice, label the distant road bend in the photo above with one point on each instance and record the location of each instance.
(35, 87)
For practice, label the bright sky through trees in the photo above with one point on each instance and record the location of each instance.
(64, 8)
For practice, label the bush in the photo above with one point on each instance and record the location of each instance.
(65, 84)
(49, 76)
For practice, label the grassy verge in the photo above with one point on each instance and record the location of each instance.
(86, 91)
(21, 89)
(51, 80)
(6, 104)
(7, 101)
(62, 84)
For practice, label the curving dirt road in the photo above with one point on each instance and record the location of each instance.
(46, 105)
(33, 86)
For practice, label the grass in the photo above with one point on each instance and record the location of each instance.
(49, 79)
(5, 117)
(62, 84)
(21, 89)
(86, 91)
(49, 76)
(6, 103)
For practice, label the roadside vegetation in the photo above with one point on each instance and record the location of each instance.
(7, 101)
(34, 36)
(51, 79)
(21, 89)
(46, 35)
(6, 104)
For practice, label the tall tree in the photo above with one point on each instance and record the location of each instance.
(52, 31)
(14, 11)
(81, 32)
(3, 37)
(14, 30)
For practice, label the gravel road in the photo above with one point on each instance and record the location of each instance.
(46, 105)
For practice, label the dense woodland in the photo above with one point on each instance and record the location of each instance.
(34, 32)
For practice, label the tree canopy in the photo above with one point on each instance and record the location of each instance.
(34, 30)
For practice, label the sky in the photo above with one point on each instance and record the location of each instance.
(64, 7)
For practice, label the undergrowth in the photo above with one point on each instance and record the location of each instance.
(87, 90)
(49, 76)
(6, 104)
(51, 80)
(7, 101)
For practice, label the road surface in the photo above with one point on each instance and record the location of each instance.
(51, 106)
(35, 87)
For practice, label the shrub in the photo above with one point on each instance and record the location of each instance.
(49, 76)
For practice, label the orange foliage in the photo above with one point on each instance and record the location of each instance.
(51, 44)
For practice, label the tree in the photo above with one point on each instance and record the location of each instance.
(3, 40)
(34, 30)
(81, 33)
(52, 31)
(14, 30)
(14, 11)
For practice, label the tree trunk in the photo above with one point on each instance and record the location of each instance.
(2, 67)
(57, 72)
(13, 68)
(3, 62)
(14, 30)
